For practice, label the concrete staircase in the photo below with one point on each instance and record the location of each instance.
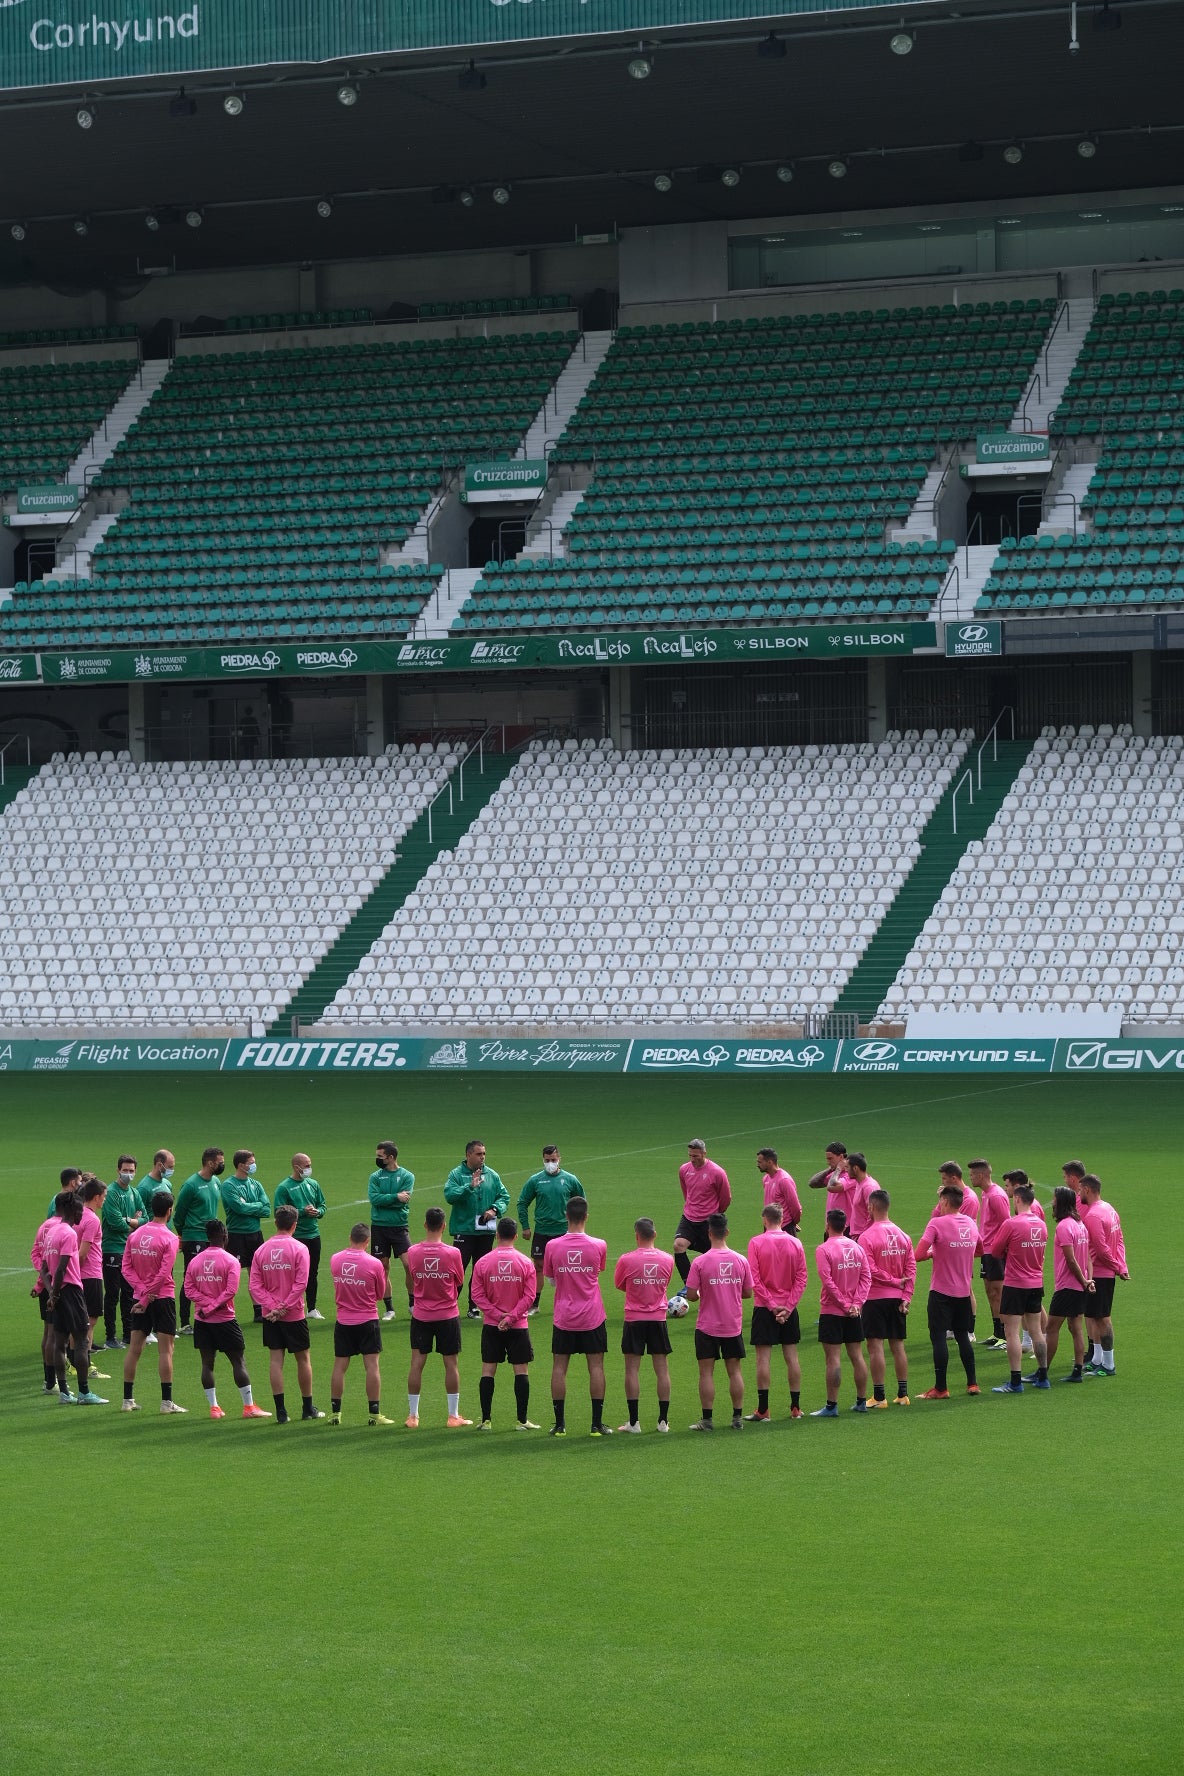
(544, 533)
(568, 390)
(921, 521)
(436, 617)
(942, 850)
(115, 427)
(964, 583)
(1065, 503)
(416, 547)
(1053, 367)
(75, 554)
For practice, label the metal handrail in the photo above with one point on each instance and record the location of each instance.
(992, 736)
(1062, 315)
(966, 778)
(1061, 498)
(12, 741)
(956, 582)
(1035, 387)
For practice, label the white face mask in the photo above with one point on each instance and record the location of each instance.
(551, 1165)
(299, 1174)
(167, 1173)
(251, 1169)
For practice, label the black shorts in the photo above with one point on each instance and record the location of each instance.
(361, 1340)
(225, 1336)
(1102, 1300)
(766, 1328)
(539, 1243)
(709, 1347)
(645, 1338)
(441, 1335)
(950, 1313)
(840, 1329)
(1067, 1304)
(695, 1233)
(243, 1246)
(160, 1316)
(511, 1346)
(70, 1315)
(990, 1269)
(884, 1319)
(1020, 1301)
(389, 1242)
(92, 1294)
(574, 1344)
(43, 1305)
(285, 1335)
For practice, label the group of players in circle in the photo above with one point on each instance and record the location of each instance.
(110, 1250)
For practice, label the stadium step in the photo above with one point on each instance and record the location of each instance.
(15, 778)
(416, 853)
(942, 850)
(119, 421)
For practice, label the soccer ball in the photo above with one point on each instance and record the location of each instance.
(677, 1306)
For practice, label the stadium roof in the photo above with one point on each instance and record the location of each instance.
(578, 141)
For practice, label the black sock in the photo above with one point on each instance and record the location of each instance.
(861, 1399)
(1042, 1374)
(632, 1405)
(280, 1410)
(663, 1412)
(50, 1374)
(485, 1389)
(762, 1399)
(683, 1265)
(374, 1405)
(388, 1303)
(940, 1374)
(309, 1408)
(997, 1328)
(522, 1397)
(129, 1389)
(335, 1405)
(737, 1414)
(560, 1406)
(1016, 1378)
(878, 1391)
(597, 1413)
(1077, 1368)
(166, 1390)
(902, 1390)
(795, 1398)
(707, 1412)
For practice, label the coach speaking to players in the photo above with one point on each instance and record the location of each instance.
(478, 1199)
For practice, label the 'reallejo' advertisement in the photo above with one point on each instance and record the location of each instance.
(381, 1052)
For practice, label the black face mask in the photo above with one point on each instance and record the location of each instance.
(218, 1170)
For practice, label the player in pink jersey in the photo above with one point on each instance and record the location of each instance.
(436, 1273)
(90, 1259)
(951, 1173)
(834, 1179)
(844, 1277)
(1072, 1279)
(721, 1282)
(69, 1179)
(279, 1277)
(894, 1275)
(953, 1242)
(360, 1290)
(705, 1192)
(61, 1280)
(994, 1209)
(575, 1264)
(211, 1283)
(505, 1287)
(1020, 1242)
(643, 1276)
(1108, 1257)
(780, 1188)
(778, 1265)
(859, 1217)
(148, 1260)
(1073, 1171)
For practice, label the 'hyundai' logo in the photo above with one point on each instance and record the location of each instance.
(874, 1051)
(972, 632)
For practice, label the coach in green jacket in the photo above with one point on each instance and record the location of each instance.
(389, 1191)
(477, 1197)
(550, 1191)
(300, 1191)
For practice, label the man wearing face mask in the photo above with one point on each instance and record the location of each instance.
(550, 1191)
(121, 1214)
(197, 1204)
(246, 1204)
(158, 1175)
(301, 1192)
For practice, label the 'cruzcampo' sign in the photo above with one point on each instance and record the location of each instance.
(1011, 447)
(51, 500)
(503, 481)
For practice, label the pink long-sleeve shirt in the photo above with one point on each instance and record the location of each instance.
(893, 1263)
(995, 1209)
(705, 1189)
(859, 1216)
(1105, 1239)
(148, 1260)
(970, 1203)
(574, 1263)
(780, 1188)
(644, 1277)
(55, 1239)
(504, 1287)
(211, 1283)
(1020, 1242)
(777, 1261)
(839, 1193)
(359, 1285)
(724, 1282)
(953, 1242)
(437, 1275)
(279, 1273)
(1071, 1237)
(89, 1228)
(844, 1274)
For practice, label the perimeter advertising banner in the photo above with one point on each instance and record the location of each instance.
(468, 654)
(44, 43)
(659, 1053)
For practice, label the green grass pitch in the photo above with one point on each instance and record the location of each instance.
(986, 1585)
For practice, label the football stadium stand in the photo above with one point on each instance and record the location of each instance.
(1074, 898)
(48, 413)
(240, 879)
(708, 889)
(268, 489)
(752, 471)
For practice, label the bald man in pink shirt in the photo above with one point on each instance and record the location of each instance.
(778, 1265)
(705, 1192)
(894, 1276)
(575, 1263)
(721, 1282)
